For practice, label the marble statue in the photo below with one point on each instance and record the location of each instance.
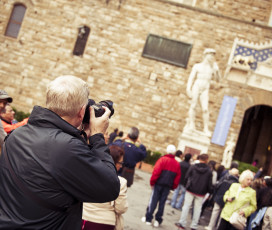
(228, 152)
(198, 89)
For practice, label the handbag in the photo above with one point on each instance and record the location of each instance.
(238, 221)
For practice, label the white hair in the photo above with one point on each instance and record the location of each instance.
(245, 174)
(171, 149)
(66, 95)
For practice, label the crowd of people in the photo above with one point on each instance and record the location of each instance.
(247, 195)
(58, 172)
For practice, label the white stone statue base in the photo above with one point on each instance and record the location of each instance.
(194, 139)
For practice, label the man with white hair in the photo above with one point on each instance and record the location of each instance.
(198, 88)
(47, 167)
(165, 176)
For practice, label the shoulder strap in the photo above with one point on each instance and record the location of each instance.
(28, 192)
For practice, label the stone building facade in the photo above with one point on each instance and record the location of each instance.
(147, 93)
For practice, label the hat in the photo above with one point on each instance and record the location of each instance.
(209, 50)
(4, 95)
(171, 149)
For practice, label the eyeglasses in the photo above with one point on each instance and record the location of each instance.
(120, 163)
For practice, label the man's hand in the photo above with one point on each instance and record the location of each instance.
(242, 213)
(230, 199)
(99, 124)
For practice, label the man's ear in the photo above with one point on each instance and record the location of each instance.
(82, 112)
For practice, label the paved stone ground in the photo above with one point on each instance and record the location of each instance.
(138, 198)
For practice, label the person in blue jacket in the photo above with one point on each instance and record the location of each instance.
(135, 152)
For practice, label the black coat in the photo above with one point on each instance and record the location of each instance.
(199, 179)
(184, 166)
(222, 187)
(53, 161)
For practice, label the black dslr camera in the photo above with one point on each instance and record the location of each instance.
(98, 109)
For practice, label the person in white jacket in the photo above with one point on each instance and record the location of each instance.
(108, 216)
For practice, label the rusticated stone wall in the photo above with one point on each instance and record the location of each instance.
(148, 94)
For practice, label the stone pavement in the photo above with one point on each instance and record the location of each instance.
(138, 198)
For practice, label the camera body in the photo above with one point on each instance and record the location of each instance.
(98, 109)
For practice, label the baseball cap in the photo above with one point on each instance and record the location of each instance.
(171, 149)
(4, 95)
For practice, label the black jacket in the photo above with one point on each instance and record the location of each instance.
(52, 160)
(222, 187)
(184, 166)
(199, 179)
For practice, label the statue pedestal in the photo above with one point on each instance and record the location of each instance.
(197, 140)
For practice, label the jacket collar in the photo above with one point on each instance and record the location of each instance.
(46, 118)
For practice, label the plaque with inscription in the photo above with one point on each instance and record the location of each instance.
(167, 50)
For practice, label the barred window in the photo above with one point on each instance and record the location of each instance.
(167, 50)
(15, 20)
(82, 37)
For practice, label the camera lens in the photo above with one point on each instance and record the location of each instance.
(98, 109)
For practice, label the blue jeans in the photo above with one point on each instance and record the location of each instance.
(174, 203)
(159, 195)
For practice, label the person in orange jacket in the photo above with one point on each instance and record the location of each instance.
(7, 116)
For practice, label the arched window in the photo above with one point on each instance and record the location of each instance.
(15, 20)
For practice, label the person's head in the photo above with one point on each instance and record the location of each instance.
(187, 157)
(212, 164)
(8, 113)
(220, 169)
(121, 133)
(171, 149)
(234, 164)
(234, 172)
(115, 130)
(117, 154)
(67, 96)
(133, 133)
(4, 99)
(246, 178)
(178, 153)
(203, 158)
(268, 181)
(257, 184)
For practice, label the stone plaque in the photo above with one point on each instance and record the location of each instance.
(167, 50)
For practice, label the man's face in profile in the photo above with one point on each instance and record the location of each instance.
(2, 105)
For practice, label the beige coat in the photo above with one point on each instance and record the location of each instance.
(267, 220)
(105, 213)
